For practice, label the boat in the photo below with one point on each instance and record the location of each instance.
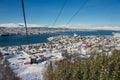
(5, 34)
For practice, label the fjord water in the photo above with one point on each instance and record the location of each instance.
(39, 38)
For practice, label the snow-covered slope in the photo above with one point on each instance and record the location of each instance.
(77, 26)
(10, 25)
(26, 72)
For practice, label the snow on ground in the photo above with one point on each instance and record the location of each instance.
(26, 72)
(29, 71)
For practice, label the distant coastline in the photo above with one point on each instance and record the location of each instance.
(6, 31)
(40, 38)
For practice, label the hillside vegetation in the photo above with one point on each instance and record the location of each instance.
(98, 67)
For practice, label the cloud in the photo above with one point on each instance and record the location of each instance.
(8, 25)
(21, 25)
(107, 28)
(73, 26)
(91, 27)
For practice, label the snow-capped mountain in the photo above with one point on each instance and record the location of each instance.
(10, 25)
(77, 26)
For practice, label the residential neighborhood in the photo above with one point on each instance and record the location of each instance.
(29, 61)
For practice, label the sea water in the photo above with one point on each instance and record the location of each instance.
(40, 38)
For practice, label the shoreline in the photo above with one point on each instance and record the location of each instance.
(24, 58)
(16, 40)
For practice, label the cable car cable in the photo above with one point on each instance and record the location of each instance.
(80, 8)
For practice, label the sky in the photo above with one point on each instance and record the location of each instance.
(94, 12)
